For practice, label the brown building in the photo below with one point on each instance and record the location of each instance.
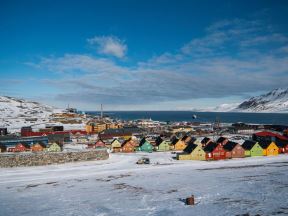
(234, 150)
(128, 146)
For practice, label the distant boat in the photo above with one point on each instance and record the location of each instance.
(194, 116)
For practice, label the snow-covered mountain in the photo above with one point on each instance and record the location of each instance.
(274, 101)
(12, 108)
(16, 112)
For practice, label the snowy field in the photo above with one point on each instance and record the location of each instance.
(118, 186)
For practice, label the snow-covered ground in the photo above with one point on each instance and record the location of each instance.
(118, 186)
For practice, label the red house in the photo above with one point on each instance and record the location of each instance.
(98, 144)
(20, 147)
(282, 145)
(214, 151)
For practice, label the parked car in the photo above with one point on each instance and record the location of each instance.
(143, 160)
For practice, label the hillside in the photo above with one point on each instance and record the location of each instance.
(15, 113)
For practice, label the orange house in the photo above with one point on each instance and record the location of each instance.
(180, 145)
(269, 148)
(128, 146)
(37, 147)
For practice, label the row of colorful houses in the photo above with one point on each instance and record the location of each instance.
(223, 149)
(36, 147)
(133, 144)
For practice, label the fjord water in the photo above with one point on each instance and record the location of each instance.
(225, 117)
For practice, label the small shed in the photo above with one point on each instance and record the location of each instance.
(252, 148)
(234, 150)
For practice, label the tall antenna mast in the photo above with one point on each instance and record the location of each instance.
(101, 111)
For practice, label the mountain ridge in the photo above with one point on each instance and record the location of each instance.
(275, 101)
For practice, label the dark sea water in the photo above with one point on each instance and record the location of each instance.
(224, 117)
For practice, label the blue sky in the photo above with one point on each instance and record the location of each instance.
(142, 55)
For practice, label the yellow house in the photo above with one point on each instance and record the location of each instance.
(116, 145)
(180, 145)
(192, 152)
(269, 148)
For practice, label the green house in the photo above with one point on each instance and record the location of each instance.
(252, 148)
(54, 147)
(165, 145)
(145, 146)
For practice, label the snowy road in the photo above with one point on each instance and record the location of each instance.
(118, 186)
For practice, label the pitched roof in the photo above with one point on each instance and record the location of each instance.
(264, 143)
(189, 148)
(142, 141)
(210, 147)
(184, 137)
(230, 145)
(248, 144)
(281, 143)
(205, 140)
(41, 144)
(99, 140)
(192, 140)
(221, 139)
(125, 142)
(24, 144)
(174, 140)
(158, 140)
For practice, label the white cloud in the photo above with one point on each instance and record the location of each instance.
(216, 65)
(109, 45)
